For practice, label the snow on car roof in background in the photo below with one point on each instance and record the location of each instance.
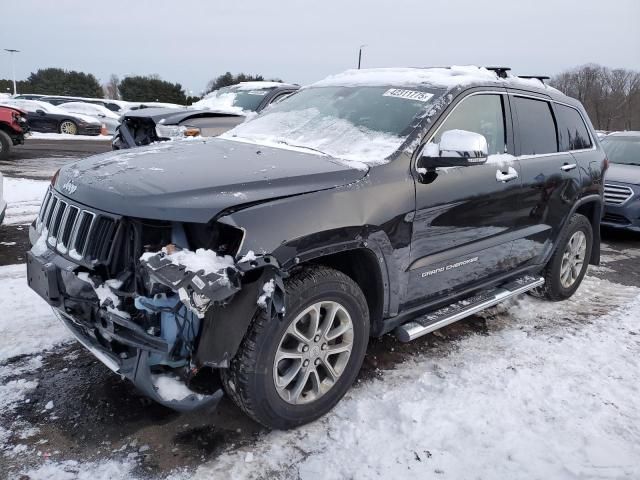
(439, 77)
(259, 85)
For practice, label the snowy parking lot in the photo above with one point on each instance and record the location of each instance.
(528, 389)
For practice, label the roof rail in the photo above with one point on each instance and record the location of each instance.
(500, 71)
(542, 78)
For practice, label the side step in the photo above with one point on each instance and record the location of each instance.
(457, 311)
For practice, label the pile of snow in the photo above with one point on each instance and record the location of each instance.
(27, 324)
(549, 393)
(171, 388)
(104, 291)
(310, 129)
(74, 470)
(268, 289)
(447, 78)
(201, 259)
(23, 199)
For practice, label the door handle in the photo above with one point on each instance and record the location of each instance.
(512, 174)
(568, 167)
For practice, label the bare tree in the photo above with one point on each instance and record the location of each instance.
(111, 87)
(610, 96)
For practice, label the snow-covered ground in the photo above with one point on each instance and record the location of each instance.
(552, 391)
(23, 198)
(65, 136)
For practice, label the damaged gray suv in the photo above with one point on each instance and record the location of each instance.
(260, 262)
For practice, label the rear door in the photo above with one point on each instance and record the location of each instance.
(463, 224)
(550, 177)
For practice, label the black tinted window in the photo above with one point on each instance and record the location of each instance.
(572, 131)
(537, 130)
(479, 114)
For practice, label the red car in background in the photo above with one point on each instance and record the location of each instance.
(13, 129)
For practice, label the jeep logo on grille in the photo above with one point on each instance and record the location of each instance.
(69, 187)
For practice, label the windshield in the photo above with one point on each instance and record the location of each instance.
(360, 123)
(622, 149)
(235, 99)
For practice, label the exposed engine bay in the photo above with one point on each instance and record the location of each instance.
(164, 316)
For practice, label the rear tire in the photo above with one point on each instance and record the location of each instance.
(568, 265)
(268, 377)
(5, 145)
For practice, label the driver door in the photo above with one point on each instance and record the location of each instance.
(463, 226)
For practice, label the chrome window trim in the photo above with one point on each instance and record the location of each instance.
(531, 95)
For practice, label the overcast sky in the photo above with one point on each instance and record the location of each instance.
(300, 41)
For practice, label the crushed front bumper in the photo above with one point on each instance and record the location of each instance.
(76, 304)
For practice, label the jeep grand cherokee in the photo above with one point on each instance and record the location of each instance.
(375, 201)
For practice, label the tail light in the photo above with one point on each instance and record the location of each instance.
(103, 130)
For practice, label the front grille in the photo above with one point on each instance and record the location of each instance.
(72, 230)
(616, 194)
(615, 218)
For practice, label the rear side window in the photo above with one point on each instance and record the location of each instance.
(536, 127)
(572, 132)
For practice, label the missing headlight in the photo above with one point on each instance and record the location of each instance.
(221, 238)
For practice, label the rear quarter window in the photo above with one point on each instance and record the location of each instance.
(536, 126)
(572, 131)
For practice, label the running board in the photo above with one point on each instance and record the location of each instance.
(457, 311)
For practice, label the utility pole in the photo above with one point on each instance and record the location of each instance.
(360, 55)
(13, 68)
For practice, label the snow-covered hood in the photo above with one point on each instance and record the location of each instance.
(194, 180)
(619, 172)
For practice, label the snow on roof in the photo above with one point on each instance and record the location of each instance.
(438, 77)
(625, 133)
(258, 85)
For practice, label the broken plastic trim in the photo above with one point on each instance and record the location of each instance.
(197, 290)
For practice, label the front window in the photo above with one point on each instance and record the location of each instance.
(360, 123)
(622, 149)
(483, 114)
(234, 99)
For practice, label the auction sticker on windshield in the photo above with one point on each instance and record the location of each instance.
(408, 94)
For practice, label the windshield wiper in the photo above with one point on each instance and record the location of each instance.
(303, 146)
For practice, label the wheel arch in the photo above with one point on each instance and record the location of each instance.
(363, 267)
(592, 208)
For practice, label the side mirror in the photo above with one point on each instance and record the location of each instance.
(457, 148)
(40, 111)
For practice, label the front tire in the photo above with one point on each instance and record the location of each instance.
(291, 371)
(568, 265)
(68, 127)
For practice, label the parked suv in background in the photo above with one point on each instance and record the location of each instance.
(260, 261)
(13, 129)
(622, 185)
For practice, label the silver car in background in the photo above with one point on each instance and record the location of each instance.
(107, 117)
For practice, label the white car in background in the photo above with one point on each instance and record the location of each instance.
(107, 117)
(3, 203)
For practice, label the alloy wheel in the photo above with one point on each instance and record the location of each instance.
(313, 352)
(573, 259)
(68, 127)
